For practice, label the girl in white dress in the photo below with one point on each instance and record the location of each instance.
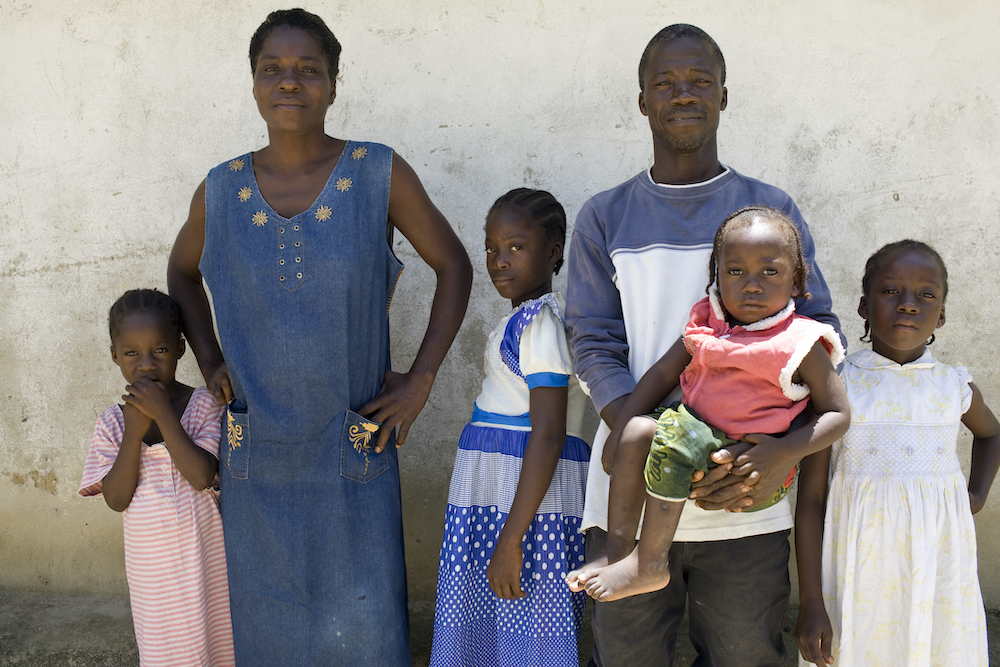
(897, 582)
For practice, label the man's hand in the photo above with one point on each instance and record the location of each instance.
(719, 488)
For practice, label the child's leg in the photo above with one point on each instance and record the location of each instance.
(625, 498)
(646, 568)
(681, 445)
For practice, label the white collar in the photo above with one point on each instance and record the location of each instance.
(649, 175)
(872, 360)
(759, 325)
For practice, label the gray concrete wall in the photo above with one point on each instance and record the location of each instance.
(879, 117)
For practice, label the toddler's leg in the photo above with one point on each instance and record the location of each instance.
(646, 568)
(680, 446)
(625, 499)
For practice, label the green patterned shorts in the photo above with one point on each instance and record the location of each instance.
(684, 443)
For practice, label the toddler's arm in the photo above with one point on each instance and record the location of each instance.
(652, 389)
(196, 465)
(120, 482)
(771, 458)
(813, 632)
(547, 409)
(985, 449)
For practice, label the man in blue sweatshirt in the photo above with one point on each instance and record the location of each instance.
(637, 263)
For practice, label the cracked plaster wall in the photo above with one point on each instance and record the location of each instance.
(880, 118)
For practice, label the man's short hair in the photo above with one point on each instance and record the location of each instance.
(680, 31)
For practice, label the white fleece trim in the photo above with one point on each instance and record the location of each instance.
(797, 392)
(759, 325)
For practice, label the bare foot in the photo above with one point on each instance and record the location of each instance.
(614, 550)
(577, 579)
(627, 577)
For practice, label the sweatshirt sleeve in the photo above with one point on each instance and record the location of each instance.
(820, 306)
(594, 314)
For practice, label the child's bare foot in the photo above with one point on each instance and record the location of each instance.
(614, 550)
(627, 577)
(577, 579)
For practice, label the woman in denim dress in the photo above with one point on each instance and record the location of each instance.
(293, 242)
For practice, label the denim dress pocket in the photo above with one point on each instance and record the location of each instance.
(358, 460)
(236, 444)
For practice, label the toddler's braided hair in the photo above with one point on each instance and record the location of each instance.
(742, 219)
(139, 300)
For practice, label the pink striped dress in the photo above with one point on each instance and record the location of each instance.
(175, 562)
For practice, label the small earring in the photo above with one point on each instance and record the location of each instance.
(931, 340)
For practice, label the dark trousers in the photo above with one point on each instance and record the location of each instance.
(739, 600)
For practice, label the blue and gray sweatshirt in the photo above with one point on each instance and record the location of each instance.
(637, 262)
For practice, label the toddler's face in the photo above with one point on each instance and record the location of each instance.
(756, 273)
(145, 348)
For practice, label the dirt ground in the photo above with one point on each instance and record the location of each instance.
(47, 630)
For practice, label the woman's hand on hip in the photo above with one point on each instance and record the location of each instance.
(398, 403)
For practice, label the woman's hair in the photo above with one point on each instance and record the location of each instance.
(138, 300)
(745, 217)
(302, 20)
(887, 252)
(542, 208)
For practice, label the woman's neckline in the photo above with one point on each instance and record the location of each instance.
(319, 197)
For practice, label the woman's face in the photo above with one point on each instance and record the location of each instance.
(292, 82)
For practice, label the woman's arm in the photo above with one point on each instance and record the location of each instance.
(813, 632)
(547, 408)
(186, 288)
(985, 449)
(411, 211)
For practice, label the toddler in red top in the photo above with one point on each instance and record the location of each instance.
(746, 365)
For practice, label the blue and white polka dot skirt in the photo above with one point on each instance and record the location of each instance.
(472, 626)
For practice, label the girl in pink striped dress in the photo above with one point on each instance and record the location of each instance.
(155, 460)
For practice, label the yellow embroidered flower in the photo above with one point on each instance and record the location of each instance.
(236, 165)
(323, 213)
(260, 218)
(344, 184)
(234, 434)
(245, 194)
(361, 437)
(359, 153)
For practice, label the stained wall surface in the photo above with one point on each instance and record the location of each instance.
(879, 117)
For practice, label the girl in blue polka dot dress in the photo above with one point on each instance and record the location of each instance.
(515, 505)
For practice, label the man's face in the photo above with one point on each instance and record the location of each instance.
(683, 95)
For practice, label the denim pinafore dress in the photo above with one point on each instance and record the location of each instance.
(311, 515)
